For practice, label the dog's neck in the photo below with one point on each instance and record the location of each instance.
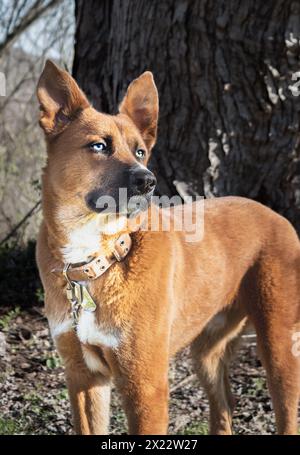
(86, 239)
(74, 238)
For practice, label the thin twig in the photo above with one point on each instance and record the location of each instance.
(36, 11)
(15, 229)
(185, 381)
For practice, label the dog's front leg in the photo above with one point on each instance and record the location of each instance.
(146, 405)
(89, 391)
(143, 383)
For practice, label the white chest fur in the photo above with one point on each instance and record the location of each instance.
(84, 240)
(90, 332)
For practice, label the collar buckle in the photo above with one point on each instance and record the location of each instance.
(122, 247)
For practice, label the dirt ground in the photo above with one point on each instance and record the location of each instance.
(34, 398)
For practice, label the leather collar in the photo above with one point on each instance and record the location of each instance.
(99, 264)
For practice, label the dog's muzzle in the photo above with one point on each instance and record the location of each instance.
(141, 181)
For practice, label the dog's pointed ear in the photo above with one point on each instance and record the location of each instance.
(141, 104)
(60, 99)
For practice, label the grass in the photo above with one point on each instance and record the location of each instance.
(257, 387)
(118, 420)
(63, 394)
(34, 408)
(196, 428)
(9, 426)
(40, 295)
(53, 361)
(259, 384)
(7, 318)
(33, 397)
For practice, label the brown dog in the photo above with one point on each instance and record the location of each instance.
(138, 296)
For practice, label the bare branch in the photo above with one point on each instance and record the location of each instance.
(36, 11)
(23, 220)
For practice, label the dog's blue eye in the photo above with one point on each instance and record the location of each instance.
(98, 147)
(140, 153)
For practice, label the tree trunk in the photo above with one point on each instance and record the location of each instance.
(229, 120)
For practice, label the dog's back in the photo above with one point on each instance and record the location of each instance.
(140, 295)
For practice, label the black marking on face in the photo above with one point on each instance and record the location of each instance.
(124, 182)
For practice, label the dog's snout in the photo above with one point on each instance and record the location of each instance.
(142, 181)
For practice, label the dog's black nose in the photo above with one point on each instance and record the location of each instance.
(142, 181)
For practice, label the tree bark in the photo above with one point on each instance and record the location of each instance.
(229, 121)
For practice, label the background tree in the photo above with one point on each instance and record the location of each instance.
(30, 30)
(229, 121)
(18, 15)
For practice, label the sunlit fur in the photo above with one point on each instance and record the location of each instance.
(168, 293)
